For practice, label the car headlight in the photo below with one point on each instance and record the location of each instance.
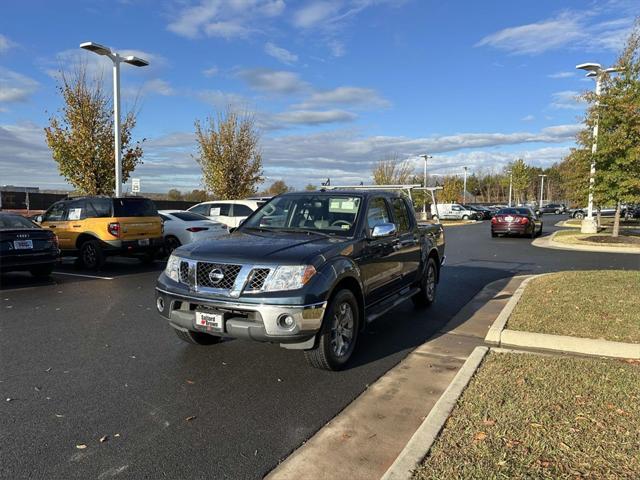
(289, 277)
(172, 270)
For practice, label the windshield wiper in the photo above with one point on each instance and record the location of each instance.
(305, 230)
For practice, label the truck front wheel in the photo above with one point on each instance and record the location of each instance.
(427, 294)
(337, 339)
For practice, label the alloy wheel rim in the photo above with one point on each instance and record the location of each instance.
(342, 330)
(89, 255)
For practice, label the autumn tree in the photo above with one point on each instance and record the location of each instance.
(310, 187)
(277, 187)
(392, 171)
(196, 196)
(81, 136)
(229, 155)
(174, 194)
(451, 189)
(521, 179)
(617, 113)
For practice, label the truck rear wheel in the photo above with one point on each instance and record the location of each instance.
(197, 338)
(91, 256)
(427, 294)
(337, 339)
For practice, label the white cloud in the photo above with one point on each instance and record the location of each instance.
(528, 118)
(306, 117)
(567, 100)
(210, 72)
(223, 18)
(562, 75)
(273, 81)
(222, 100)
(584, 30)
(353, 96)
(281, 54)
(5, 44)
(15, 87)
(314, 13)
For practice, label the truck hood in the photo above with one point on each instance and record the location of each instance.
(262, 248)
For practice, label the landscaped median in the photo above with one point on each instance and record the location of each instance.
(587, 312)
(533, 416)
(627, 238)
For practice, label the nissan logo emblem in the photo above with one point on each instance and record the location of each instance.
(216, 275)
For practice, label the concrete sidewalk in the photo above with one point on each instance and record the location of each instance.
(366, 437)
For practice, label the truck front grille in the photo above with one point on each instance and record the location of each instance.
(257, 279)
(217, 275)
(184, 272)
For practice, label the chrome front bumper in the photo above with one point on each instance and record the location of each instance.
(261, 322)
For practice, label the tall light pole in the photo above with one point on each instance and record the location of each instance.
(464, 187)
(541, 188)
(117, 60)
(594, 70)
(424, 181)
(510, 185)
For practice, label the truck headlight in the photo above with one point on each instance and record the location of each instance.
(172, 270)
(289, 277)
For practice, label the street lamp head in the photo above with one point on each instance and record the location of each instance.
(135, 61)
(591, 75)
(96, 48)
(612, 70)
(590, 67)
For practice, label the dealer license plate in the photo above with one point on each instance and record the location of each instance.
(143, 242)
(509, 219)
(210, 321)
(22, 244)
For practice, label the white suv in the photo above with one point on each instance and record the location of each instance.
(229, 212)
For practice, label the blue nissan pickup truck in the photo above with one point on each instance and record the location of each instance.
(308, 271)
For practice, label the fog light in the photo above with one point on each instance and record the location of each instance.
(160, 304)
(286, 321)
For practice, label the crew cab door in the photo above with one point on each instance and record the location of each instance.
(379, 266)
(408, 242)
(55, 219)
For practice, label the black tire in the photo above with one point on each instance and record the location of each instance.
(579, 215)
(435, 218)
(428, 283)
(494, 234)
(197, 338)
(534, 232)
(171, 243)
(91, 255)
(341, 319)
(42, 271)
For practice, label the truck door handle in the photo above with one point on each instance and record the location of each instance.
(76, 226)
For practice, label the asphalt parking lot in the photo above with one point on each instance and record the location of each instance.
(84, 356)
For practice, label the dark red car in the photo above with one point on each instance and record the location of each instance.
(518, 221)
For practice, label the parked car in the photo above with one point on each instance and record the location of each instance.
(229, 212)
(308, 271)
(518, 220)
(610, 211)
(25, 246)
(181, 228)
(556, 208)
(482, 212)
(452, 211)
(93, 228)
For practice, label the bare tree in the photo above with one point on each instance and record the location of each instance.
(391, 171)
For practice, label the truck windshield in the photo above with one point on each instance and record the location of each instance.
(330, 214)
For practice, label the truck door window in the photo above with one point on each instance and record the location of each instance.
(378, 213)
(55, 213)
(241, 210)
(401, 215)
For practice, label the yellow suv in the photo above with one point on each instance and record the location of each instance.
(94, 227)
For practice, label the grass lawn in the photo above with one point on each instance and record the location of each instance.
(627, 238)
(531, 416)
(606, 222)
(591, 304)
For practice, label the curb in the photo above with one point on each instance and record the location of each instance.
(548, 242)
(500, 336)
(422, 440)
(495, 331)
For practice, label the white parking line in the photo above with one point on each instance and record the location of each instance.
(85, 276)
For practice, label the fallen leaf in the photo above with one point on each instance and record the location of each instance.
(81, 446)
(59, 416)
(104, 438)
(279, 379)
(37, 389)
(480, 436)
(48, 369)
(192, 417)
(9, 399)
(190, 382)
(502, 463)
(620, 411)
(117, 435)
(488, 421)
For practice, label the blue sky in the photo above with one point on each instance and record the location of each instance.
(334, 85)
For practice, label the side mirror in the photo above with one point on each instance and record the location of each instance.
(383, 230)
(539, 213)
(38, 219)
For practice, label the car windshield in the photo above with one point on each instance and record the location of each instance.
(329, 214)
(8, 222)
(189, 216)
(514, 211)
(133, 207)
